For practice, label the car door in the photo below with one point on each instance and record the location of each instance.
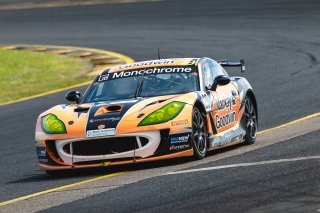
(226, 102)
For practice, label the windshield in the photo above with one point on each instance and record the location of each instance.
(143, 83)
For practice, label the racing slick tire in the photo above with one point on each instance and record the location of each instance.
(250, 122)
(199, 135)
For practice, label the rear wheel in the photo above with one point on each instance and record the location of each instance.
(199, 134)
(250, 122)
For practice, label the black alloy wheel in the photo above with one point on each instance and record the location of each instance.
(250, 124)
(199, 134)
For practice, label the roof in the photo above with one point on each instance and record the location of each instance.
(153, 63)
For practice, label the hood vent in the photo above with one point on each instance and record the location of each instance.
(114, 108)
(109, 109)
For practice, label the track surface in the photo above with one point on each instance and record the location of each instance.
(282, 187)
(279, 40)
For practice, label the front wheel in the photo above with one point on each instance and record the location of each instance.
(199, 134)
(250, 122)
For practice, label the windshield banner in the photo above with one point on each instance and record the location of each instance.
(147, 71)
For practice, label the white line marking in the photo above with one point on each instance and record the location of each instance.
(246, 164)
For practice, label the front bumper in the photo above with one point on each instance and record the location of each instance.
(122, 149)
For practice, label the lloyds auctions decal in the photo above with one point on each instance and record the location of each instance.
(229, 117)
(227, 102)
(147, 71)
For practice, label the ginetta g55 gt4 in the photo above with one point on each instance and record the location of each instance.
(147, 111)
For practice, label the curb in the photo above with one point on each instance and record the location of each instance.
(99, 59)
(65, 3)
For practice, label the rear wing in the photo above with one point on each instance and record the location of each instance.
(233, 63)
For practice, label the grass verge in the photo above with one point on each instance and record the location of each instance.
(24, 73)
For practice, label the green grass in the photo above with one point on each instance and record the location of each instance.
(24, 73)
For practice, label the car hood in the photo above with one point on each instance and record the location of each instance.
(78, 119)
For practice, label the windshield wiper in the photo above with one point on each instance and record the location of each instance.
(139, 87)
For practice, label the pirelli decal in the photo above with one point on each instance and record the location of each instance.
(147, 71)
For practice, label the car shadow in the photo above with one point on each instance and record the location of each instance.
(93, 172)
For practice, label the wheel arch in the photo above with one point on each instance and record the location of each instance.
(202, 109)
(200, 106)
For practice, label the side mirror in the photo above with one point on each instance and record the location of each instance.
(74, 96)
(220, 80)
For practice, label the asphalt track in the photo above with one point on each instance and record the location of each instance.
(280, 187)
(281, 45)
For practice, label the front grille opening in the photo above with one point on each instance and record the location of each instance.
(144, 141)
(164, 134)
(51, 147)
(52, 152)
(104, 146)
(66, 148)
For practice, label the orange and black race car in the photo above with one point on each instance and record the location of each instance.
(147, 111)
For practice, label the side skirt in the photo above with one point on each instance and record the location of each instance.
(235, 135)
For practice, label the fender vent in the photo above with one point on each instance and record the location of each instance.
(80, 109)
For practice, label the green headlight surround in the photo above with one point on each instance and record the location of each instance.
(164, 114)
(51, 124)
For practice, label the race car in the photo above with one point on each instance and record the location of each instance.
(146, 111)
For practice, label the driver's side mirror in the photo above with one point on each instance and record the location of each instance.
(220, 80)
(74, 96)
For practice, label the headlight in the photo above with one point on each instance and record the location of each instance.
(50, 124)
(164, 114)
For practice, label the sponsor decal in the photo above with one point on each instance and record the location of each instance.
(42, 152)
(101, 132)
(179, 147)
(180, 139)
(146, 63)
(226, 103)
(43, 160)
(226, 119)
(146, 71)
(179, 123)
(104, 119)
(42, 155)
(103, 77)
